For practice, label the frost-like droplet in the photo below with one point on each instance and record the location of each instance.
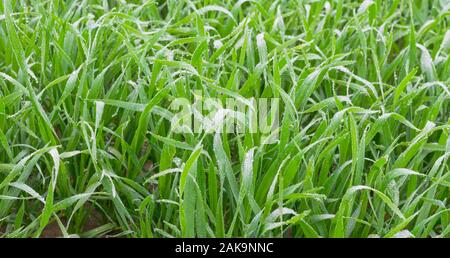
(260, 42)
(169, 55)
(403, 234)
(217, 44)
(177, 161)
(364, 6)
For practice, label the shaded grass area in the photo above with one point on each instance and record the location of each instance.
(85, 132)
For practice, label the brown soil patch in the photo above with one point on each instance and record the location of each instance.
(52, 230)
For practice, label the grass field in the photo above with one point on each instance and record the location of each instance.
(87, 146)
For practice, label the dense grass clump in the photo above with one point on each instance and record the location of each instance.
(87, 147)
